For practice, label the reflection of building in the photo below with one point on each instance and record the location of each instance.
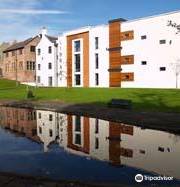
(21, 121)
(117, 143)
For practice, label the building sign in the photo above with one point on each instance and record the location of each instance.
(175, 25)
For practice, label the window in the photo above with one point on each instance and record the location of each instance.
(13, 53)
(50, 132)
(143, 37)
(50, 81)
(39, 51)
(7, 54)
(78, 139)
(50, 117)
(97, 79)
(143, 63)
(39, 115)
(33, 65)
(78, 123)
(162, 41)
(38, 79)
(49, 65)
(96, 42)
(97, 60)
(39, 66)
(40, 130)
(97, 143)
(162, 68)
(77, 63)
(27, 65)
(20, 51)
(97, 126)
(49, 49)
(77, 80)
(77, 46)
(32, 48)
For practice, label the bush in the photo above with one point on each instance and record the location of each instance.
(30, 94)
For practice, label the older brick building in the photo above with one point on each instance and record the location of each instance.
(20, 60)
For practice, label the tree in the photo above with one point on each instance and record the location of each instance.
(176, 68)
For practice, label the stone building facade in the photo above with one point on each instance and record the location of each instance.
(19, 61)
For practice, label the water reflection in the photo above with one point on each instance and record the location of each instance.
(116, 143)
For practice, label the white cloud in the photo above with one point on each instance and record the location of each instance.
(31, 11)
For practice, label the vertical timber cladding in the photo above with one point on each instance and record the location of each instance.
(70, 38)
(115, 53)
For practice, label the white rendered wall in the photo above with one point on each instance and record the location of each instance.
(102, 32)
(157, 55)
(62, 61)
(43, 59)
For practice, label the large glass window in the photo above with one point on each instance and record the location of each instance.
(78, 123)
(77, 62)
(78, 80)
(77, 46)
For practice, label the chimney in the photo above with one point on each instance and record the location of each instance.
(44, 31)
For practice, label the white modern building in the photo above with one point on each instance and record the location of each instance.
(141, 53)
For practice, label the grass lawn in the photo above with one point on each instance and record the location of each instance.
(143, 99)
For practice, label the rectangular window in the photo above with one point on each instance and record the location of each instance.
(78, 80)
(39, 66)
(49, 49)
(32, 48)
(13, 53)
(97, 79)
(50, 117)
(7, 54)
(162, 68)
(39, 51)
(28, 65)
(38, 79)
(77, 46)
(97, 143)
(50, 132)
(40, 130)
(77, 62)
(162, 41)
(143, 63)
(39, 115)
(77, 123)
(50, 81)
(97, 126)
(20, 51)
(96, 42)
(49, 65)
(143, 37)
(78, 139)
(97, 60)
(33, 65)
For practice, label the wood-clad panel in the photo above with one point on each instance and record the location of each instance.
(127, 76)
(114, 55)
(128, 59)
(85, 37)
(127, 35)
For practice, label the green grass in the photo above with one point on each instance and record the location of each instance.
(143, 99)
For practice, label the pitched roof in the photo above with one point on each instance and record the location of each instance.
(19, 45)
(52, 38)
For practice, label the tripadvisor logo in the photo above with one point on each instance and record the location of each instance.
(138, 178)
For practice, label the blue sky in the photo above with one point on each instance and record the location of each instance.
(20, 19)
